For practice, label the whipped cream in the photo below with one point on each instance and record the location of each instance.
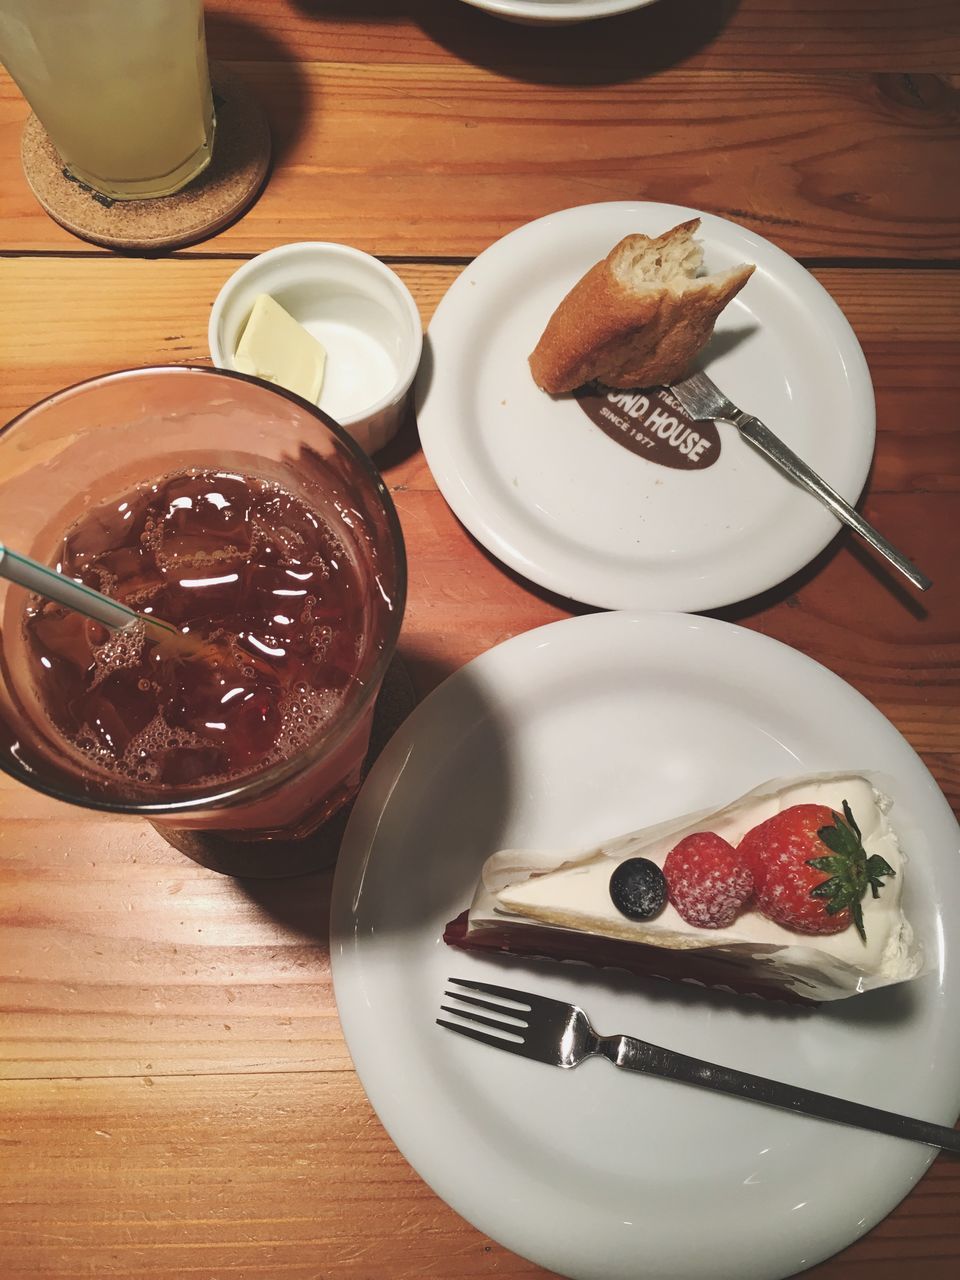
(570, 890)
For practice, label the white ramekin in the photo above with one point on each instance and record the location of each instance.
(360, 310)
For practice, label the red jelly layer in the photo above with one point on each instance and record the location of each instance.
(516, 938)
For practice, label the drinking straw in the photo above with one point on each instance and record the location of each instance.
(56, 586)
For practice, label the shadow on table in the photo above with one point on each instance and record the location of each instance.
(301, 906)
(423, 850)
(625, 47)
(844, 541)
(290, 880)
(404, 444)
(226, 35)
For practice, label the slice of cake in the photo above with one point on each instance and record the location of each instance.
(791, 892)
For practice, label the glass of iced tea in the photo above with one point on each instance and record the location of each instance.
(122, 88)
(255, 526)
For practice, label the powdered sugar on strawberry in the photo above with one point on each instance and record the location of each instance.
(811, 869)
(708, 883)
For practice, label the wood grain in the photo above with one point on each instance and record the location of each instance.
(717, 34)
(824, 164)
(139, 1179)
(145, 960)
(156, 966)
(177, 1096)
(125, 312)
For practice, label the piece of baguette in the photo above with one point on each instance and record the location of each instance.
(636, 319)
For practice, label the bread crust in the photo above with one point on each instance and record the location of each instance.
(636, 335)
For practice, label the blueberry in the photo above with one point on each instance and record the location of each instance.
(638, 889)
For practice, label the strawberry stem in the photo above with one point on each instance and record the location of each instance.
(850, 872)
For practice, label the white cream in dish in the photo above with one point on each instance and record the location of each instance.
(570, 891)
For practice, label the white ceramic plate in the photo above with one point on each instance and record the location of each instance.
(569, 733)
(556, 12)
(545, 490)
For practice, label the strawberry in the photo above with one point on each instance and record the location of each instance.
(811, 870)
(707, 881)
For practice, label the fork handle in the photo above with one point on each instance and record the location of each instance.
(762, 438)
(638, 1055)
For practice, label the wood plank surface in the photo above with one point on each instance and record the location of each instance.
(176, 1094)
(159, 968)
(148, 1185)
(125, 312)
(828, 165)
(461, 602)
(727, 35)
(138, 1179)
(119, 311)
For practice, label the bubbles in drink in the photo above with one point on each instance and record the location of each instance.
(120, 650)
(256, 672)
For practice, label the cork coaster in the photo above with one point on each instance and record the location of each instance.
(228, 186)
(272, 859)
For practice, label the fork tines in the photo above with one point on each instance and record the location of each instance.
(702, 398)
(505, 993)
(510, 1019)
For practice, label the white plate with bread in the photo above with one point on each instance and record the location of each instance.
(612, 498)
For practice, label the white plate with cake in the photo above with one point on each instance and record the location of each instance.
(609, 495)
(560, 739)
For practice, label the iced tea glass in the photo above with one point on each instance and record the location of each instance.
(122, 88)
(102, 452)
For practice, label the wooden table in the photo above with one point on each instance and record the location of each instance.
(176, 1095)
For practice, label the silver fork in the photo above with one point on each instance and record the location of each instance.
(705, 402)
(560, 1035)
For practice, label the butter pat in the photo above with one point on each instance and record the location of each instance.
(275, 347)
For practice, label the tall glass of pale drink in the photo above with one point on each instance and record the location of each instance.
(122, 88)
(257, 529)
